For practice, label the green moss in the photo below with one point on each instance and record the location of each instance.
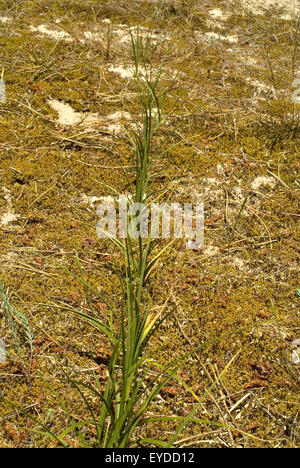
(48, 169)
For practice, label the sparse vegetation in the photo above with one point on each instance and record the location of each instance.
(232, 140)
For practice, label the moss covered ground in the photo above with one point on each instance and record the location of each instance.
(238, 138)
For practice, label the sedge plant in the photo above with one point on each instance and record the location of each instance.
(127, 394)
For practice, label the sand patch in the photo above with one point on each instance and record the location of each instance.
(120, 33)
(55, 34)
(92, 36)
(208, 191)
(122, 71)
(261, 91)
(60, 35)
(218, 14)
(9, 216)
(129, 71)
(93, 201)
(290, 8)
(261, 87)
(238, 263)
(213, 37)
(123, 36)
(115, 121)
(210, 251)
(249, 61)
(68, 117)
(216, 17)
(263, 181)
(8, 259)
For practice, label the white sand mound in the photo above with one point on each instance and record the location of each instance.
(68, 117)
(66, 114)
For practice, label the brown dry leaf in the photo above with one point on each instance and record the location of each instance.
(193, 280)
(12, 433)
(45, 344)
(252, 426)
(256, 384)
(74, 295)
(284, 383)
(177, 270)
(102, 306)
(38, 260)
(186, 378)
(208, 278)
(169, 392)
(213, 221)
(3, 365)
(263, 368)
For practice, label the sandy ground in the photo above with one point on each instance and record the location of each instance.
(233, 139)
(290, 8)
